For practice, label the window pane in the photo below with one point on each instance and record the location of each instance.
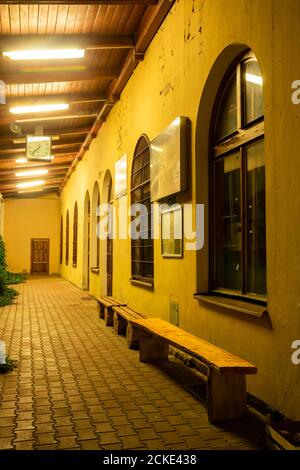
(256, 227)
(228, 231)
(254, 104)
(227, 112)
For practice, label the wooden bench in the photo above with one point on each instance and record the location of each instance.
(105, 305)
(226, 383)
(123, 317)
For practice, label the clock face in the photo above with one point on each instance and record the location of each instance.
(38, 148)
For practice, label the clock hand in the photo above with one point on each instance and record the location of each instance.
(35, 150)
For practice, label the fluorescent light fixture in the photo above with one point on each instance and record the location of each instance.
(31, 184)
(31, 191)
(32, 173)
(37, 138)
(256, 79)
(21, 160)
(45, 54)
(40, 108)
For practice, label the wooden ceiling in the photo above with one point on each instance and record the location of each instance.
(115, 35)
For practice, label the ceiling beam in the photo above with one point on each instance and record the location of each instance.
(21, 148)
(4, 120)
(62, 159)
(83, 41)
(83, 2)
(12, 178)
(56, 154)
(61, 98)
(31, 194)
(23, 78)
(29, 166)
(9, 185)
(49, 132)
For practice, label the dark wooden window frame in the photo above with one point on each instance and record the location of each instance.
(238, 140)
(61, 240)
(67, 238)
(75, 235)
(141, 279)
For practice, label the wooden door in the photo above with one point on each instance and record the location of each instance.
(40, 255)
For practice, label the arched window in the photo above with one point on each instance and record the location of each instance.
(142, 248)
(61, 240)
(67, 237)
(238, 240)
(75, 235)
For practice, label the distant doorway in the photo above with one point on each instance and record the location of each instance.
(40, 256)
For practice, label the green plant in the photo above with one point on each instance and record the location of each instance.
(7, 294)
(10, 365)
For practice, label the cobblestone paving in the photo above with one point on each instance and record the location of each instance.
(78, 386)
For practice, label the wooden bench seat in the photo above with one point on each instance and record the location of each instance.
(123, 317)
(226, 383)
(105, 305)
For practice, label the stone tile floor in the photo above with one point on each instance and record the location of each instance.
(78, 386)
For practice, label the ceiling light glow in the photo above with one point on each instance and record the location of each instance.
(32, 173)
(40, 108)
(45, 54)
(31, 184)
(21, 160)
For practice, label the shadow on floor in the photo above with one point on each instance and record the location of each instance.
(251, 427)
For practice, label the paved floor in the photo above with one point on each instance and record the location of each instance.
(78, 386)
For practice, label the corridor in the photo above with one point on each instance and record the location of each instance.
(78, 386)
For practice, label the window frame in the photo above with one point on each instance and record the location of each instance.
(75, 236)
(238, 140)
(142, 280)
(61, 240)
(67, 250)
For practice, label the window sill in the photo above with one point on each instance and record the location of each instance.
(242, 306)
(140, 283)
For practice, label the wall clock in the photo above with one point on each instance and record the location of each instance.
(38, 148)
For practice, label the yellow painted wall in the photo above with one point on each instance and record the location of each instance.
(180, 75)
(26, 219)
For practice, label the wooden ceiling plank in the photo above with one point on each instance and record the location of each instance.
(43, 18)
(14, 19)
(52, 16)
(24, 18)
(33, 18)
(5, 20)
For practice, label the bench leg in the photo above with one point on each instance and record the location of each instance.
(119, 325)
(226, 396)
(108, 316)
(101, 310)
(153, 349)
(132, 337)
